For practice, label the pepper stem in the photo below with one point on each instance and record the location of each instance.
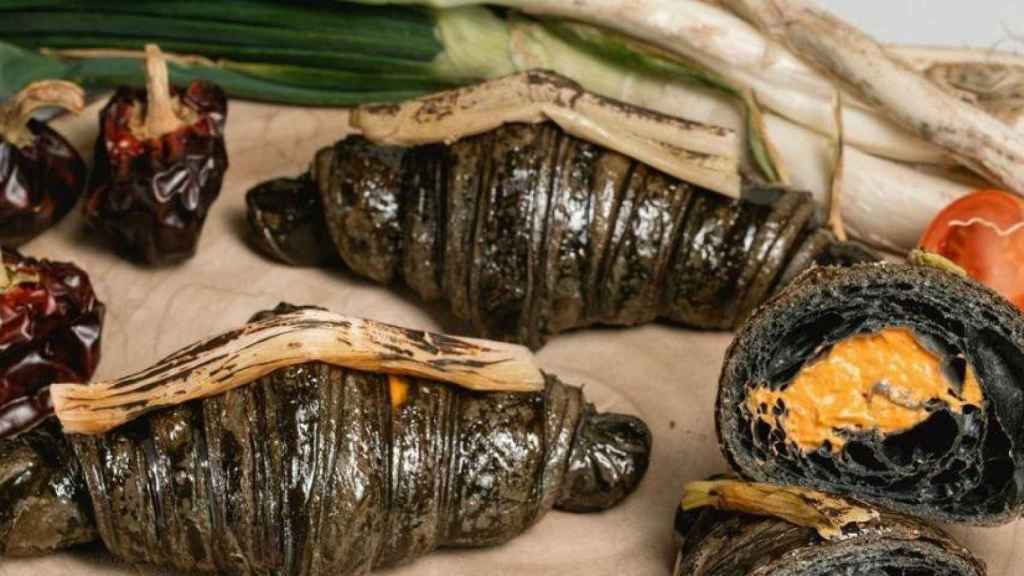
(12, 276)
(160, 115)
(14, 115)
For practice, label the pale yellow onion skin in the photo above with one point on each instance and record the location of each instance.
(698, 153)
(921, 57)
(826, 514)
(975, 138)
(238, 357)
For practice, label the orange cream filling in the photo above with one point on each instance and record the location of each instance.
(877, 381)
(399, 390)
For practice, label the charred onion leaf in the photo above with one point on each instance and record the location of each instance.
(703, 154)
(319, 469)
(527, 231)
(50, 326)
(41, 173)
(717, 542)
(828, 515)
(159, 163)
(288, 336)
(927, 421)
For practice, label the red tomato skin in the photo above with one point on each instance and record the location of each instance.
(983, 233)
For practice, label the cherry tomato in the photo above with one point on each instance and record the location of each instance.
(983, 233)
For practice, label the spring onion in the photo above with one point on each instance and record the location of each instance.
(257, 49)
(694, 59)
(975, 138)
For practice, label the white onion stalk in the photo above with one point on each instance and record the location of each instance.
(835, 205)
(885, 203)
(921, 58)
(993, 82)
(534, 47)
(974, 137)
(864, 129)
(723, 42)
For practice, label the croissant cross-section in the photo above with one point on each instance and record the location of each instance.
(899, 385)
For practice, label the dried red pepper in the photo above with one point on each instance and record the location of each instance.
(159, 164)
(41, 174)
(50, 326)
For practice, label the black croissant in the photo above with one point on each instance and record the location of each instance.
(317, 469)
(527, 232)
(898, 385)
(719, 543)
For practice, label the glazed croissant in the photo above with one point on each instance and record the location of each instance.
(527, 231)
(318, 469)
(716, 543)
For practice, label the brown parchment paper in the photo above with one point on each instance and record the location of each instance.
(667, 375)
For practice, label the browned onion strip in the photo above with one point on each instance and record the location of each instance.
(702, 154)
(237, 357)
(800, 506)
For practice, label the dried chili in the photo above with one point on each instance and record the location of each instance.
(41, 174)
(50, 326)
(159, 164)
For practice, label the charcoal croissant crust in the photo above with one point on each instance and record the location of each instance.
(959, 466)
(527, 232)
(317, 469)
(719, 543)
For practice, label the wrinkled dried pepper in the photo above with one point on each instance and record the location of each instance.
(50, 326)
(159, 164)
(41, 174)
